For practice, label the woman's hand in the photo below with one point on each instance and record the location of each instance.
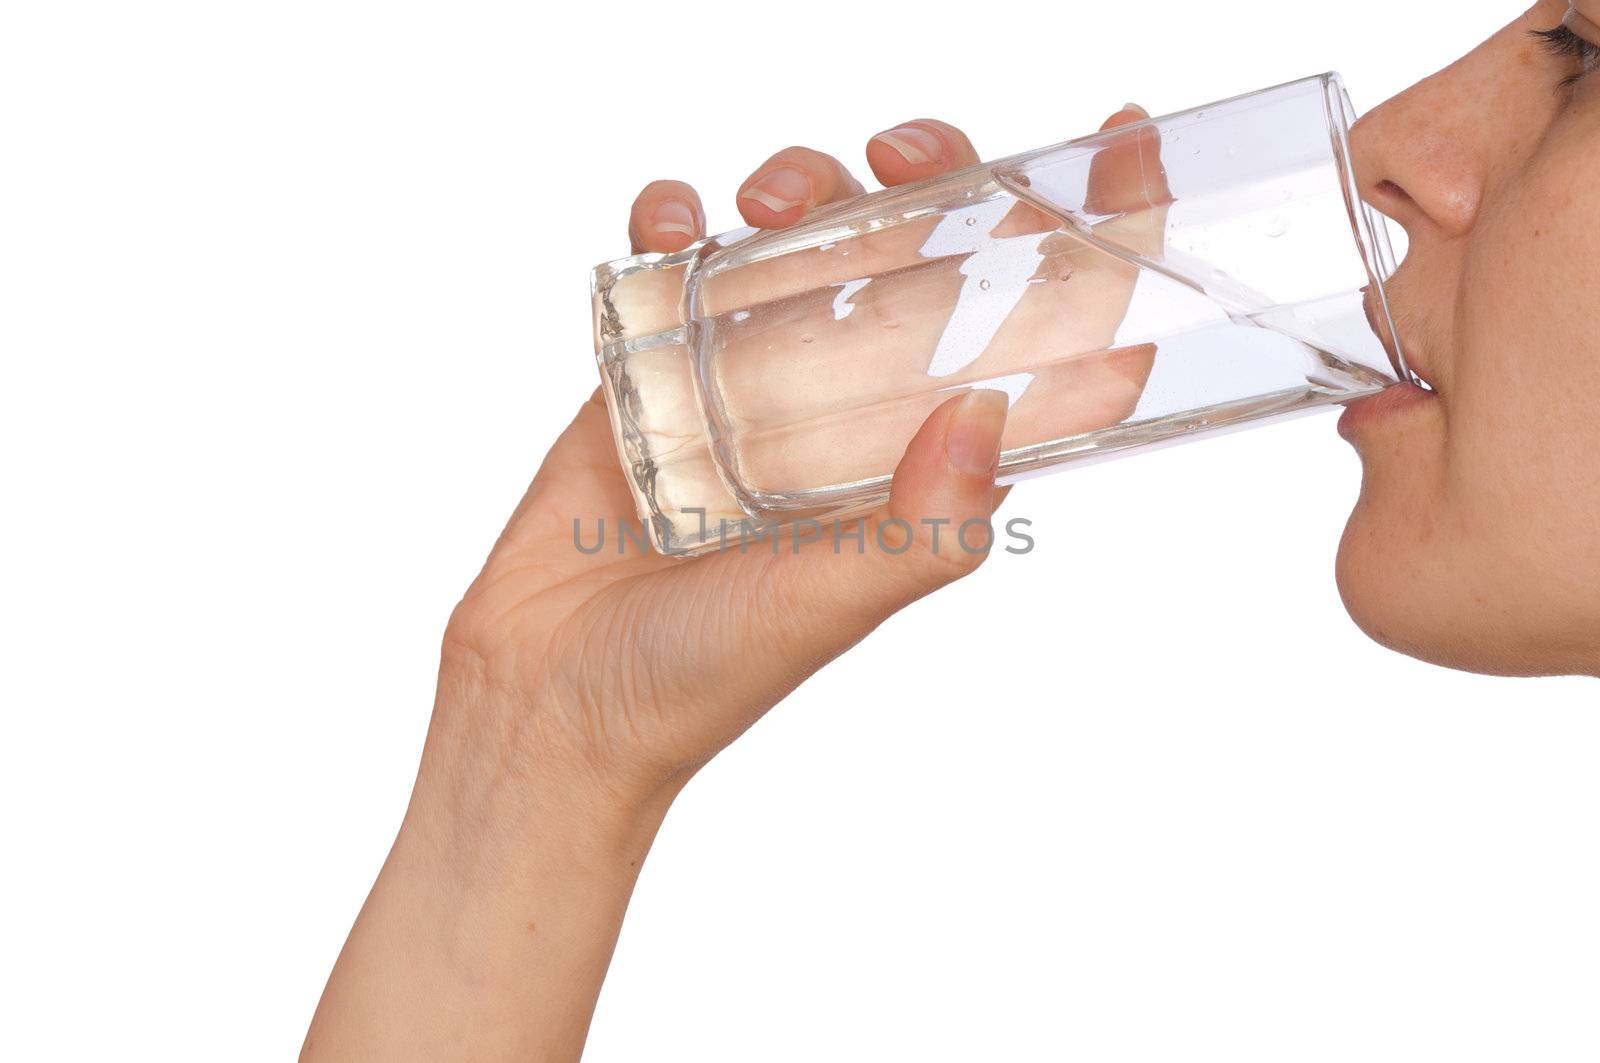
(621, 675)
(579, 692)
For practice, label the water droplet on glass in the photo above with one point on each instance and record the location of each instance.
(1196, 151)
(972, 221)
(984, 284)
(1277, 225)
(1065, 276)
(891, 324)
(807, 338)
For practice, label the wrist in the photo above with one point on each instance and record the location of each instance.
(489, 801)
(493, 920)
(510, 763)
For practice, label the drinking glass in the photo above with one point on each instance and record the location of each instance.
(1151, 283)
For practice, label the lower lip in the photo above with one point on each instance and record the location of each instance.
(1385, 404)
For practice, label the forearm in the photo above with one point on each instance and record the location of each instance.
(490, 927)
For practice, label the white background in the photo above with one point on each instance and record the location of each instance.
(292, 300)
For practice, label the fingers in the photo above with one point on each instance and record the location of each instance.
(1126, 115)
(667, 216)
(914, 150)
(1126, 175)
(784, 188)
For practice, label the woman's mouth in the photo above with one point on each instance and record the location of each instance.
(1406, 394)
(1385, 404)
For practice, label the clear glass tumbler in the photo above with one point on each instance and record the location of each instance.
(1146, 284)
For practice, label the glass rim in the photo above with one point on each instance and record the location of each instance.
(1368, 225)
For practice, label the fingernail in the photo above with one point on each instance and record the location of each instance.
(1134, 107)
(780, 189)
(972, 438)
(673, 216)
(916, 146)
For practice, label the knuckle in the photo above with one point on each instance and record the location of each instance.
(949, 562)
(941, 556)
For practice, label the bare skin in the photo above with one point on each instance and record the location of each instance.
(577, 695)
(1477, 535)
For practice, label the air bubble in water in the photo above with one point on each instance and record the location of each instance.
(984, 284)
(807, 338)
(972, 221)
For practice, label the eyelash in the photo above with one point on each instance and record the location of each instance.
(1561, 41)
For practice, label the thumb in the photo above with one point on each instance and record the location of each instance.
(933, 530)
(820, 598)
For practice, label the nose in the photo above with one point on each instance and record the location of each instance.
(1418, 161)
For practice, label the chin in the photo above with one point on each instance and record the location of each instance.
(1414, 583)
(1414, 575)
(1380, 591)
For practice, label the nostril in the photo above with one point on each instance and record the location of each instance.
(1396, 205)
(1390, 190)
(1388, 206)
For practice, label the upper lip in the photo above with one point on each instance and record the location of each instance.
(1412, 351)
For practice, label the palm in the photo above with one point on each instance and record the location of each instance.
(632, 645)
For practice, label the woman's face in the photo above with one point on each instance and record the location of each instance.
(1476, 540)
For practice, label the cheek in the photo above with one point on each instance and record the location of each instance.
(1523, 433)
(1476, 541)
